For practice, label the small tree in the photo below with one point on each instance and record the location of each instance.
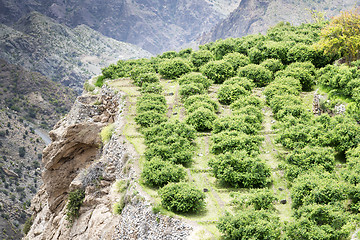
(182, 197)
(342, 36)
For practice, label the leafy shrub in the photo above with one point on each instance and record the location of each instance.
(278, 102)
(201, 98)
(251, 111)
(227, 94)
(27, 225)
(119, 206)
(165, 131)
(195, 78)
(275, 89)
(320, 188)
(244, 101)
(223, 47)
(273, 65)
(174, 68)
(236, 60)
(236, 123)
(201, 57)
(168, 55)
(75, 200)
(182, 197)
(302, 74)
(217, 71)
(197, 105)
(262, 199)
(304, 159)
(229, 141)
(150, 118)
(256, 56)
(22, 152)
(146, 78)
(259, 74)
(178, 151)
(152, 97)
(99, 81)
(201, 119)
(185, 53)
(149, 105)
(250, 225)
(191, 89)
(300, 53)
(158, 173)
(238, 169)
(319, 222)
(107, 132)
(246, 83)
(152, 88)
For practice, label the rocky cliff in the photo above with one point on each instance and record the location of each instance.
(78, 159)
(256, 16)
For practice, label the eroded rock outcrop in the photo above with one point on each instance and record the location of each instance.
(77, 159)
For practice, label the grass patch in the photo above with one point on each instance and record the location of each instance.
(107, 132)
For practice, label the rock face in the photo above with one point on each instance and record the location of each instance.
(77, 159)
(65, 55)
(256, 16)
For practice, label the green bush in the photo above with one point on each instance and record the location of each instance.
(99, 81)
(273, 65)
(302, 160)
(238, 169)
(318, 187)
(185, 53)
(149, 105)
(146, 78)
(251, 111)
(236, 60)
(107, 132)
(276, 89)
(246, 83)
(302, 74)
(168, 55)
(165, 131)
(182, 197)
(152, 97)
(249, 225)
(174, 68)
(75, 200)
(201, 119)
(197, 105)
(27, 225)
(195, 78)
(201, 57)
(217, 71)
(150, 118)
(259, 74)
(256, 56)
(230, 141)
(235, 122)
(223, 47)
(319, 222)
(190, 89)
(158, 173)
(227, 94)
(151, 88)
(201, 98)
(244, 101)
(300, 53)
(262, 199)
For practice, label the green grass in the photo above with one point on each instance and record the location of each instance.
(107, 132)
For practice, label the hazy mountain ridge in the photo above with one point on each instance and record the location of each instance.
(256, 16)
(155, 26)
(69, 56)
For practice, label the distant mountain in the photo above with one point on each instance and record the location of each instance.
(256, 16)
(66, 55)
(28, 102)
(154, 25)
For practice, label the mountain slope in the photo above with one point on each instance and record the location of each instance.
(66, 55)
(256, 16)
(27, 100)
(153, 25)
